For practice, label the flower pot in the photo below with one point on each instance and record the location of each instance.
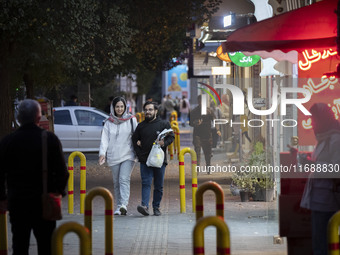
(244, 196)
(259, 194)
(269, 196)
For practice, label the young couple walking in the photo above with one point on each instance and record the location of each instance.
(122, 140)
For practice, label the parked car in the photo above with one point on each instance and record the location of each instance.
(79, 127)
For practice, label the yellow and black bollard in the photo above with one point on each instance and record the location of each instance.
(3, 233)
(182, 178)
(219, 199)
(106, 194)
(71, 181)
(62, 230)
(333, 235)
(223, 235)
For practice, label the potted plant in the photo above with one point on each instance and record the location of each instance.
(245, 183)
(264, 187)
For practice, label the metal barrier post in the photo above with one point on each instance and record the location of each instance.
(3, 233)
(171, 150)
(107, 196)
(174, 122)
(59, 233)
(71, 181)
(216, 188)
(333, 235)
(182, 178)
(173, 116)
(223, 235)
(138, 117)
(177, 140)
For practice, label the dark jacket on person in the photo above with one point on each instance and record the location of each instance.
(322, 190)
(147, 132)
(204, 129)
(21, 166)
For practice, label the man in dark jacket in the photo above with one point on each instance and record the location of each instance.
(144, 136)
(21, 179)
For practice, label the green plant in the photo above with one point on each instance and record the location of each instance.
(265, 180)
(245, 181)
(258, 158)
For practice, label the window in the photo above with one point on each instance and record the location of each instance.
(62, 117)
(87, 118)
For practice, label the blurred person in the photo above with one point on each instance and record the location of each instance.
(21, 184)
(143, 138)
(244, 128)
(321, 194)
(218, 114)
(116, 147)
(161, 109)
(225, 109)
(202, 134)
(174, 83)
(184, 110)
(177, 106)
(73, 101)
(169, 106)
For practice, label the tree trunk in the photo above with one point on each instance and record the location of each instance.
(6, 105)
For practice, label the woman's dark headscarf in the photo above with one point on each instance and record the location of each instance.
(323, 118)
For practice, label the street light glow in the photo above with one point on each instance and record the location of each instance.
(227, 21)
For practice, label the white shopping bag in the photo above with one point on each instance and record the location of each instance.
(156, 155)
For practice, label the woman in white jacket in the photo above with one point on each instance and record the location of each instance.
(116, 146)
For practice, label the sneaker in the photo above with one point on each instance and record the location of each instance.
(117, 212)
(143, 210)
(123, 210)
(156, 212)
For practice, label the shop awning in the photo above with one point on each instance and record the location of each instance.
(313, 26)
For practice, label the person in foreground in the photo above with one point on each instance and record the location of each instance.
(321, 194)
(143, 138)
(116, 145)
(21, 184)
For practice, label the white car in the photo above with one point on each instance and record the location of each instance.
(79, 128)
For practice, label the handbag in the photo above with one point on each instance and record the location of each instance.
(51, 202)
(156, 155)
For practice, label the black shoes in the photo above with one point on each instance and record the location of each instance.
(157, 212)
(143, 210)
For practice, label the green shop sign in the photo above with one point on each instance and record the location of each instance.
(238, 58)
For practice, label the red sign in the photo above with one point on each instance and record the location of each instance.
(312, 66)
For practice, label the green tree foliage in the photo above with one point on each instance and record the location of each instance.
(47, 42)
(162, 27)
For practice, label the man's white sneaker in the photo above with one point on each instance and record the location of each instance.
(117, 212)
(123, 210)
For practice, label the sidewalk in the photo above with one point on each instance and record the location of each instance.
(252, 225)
